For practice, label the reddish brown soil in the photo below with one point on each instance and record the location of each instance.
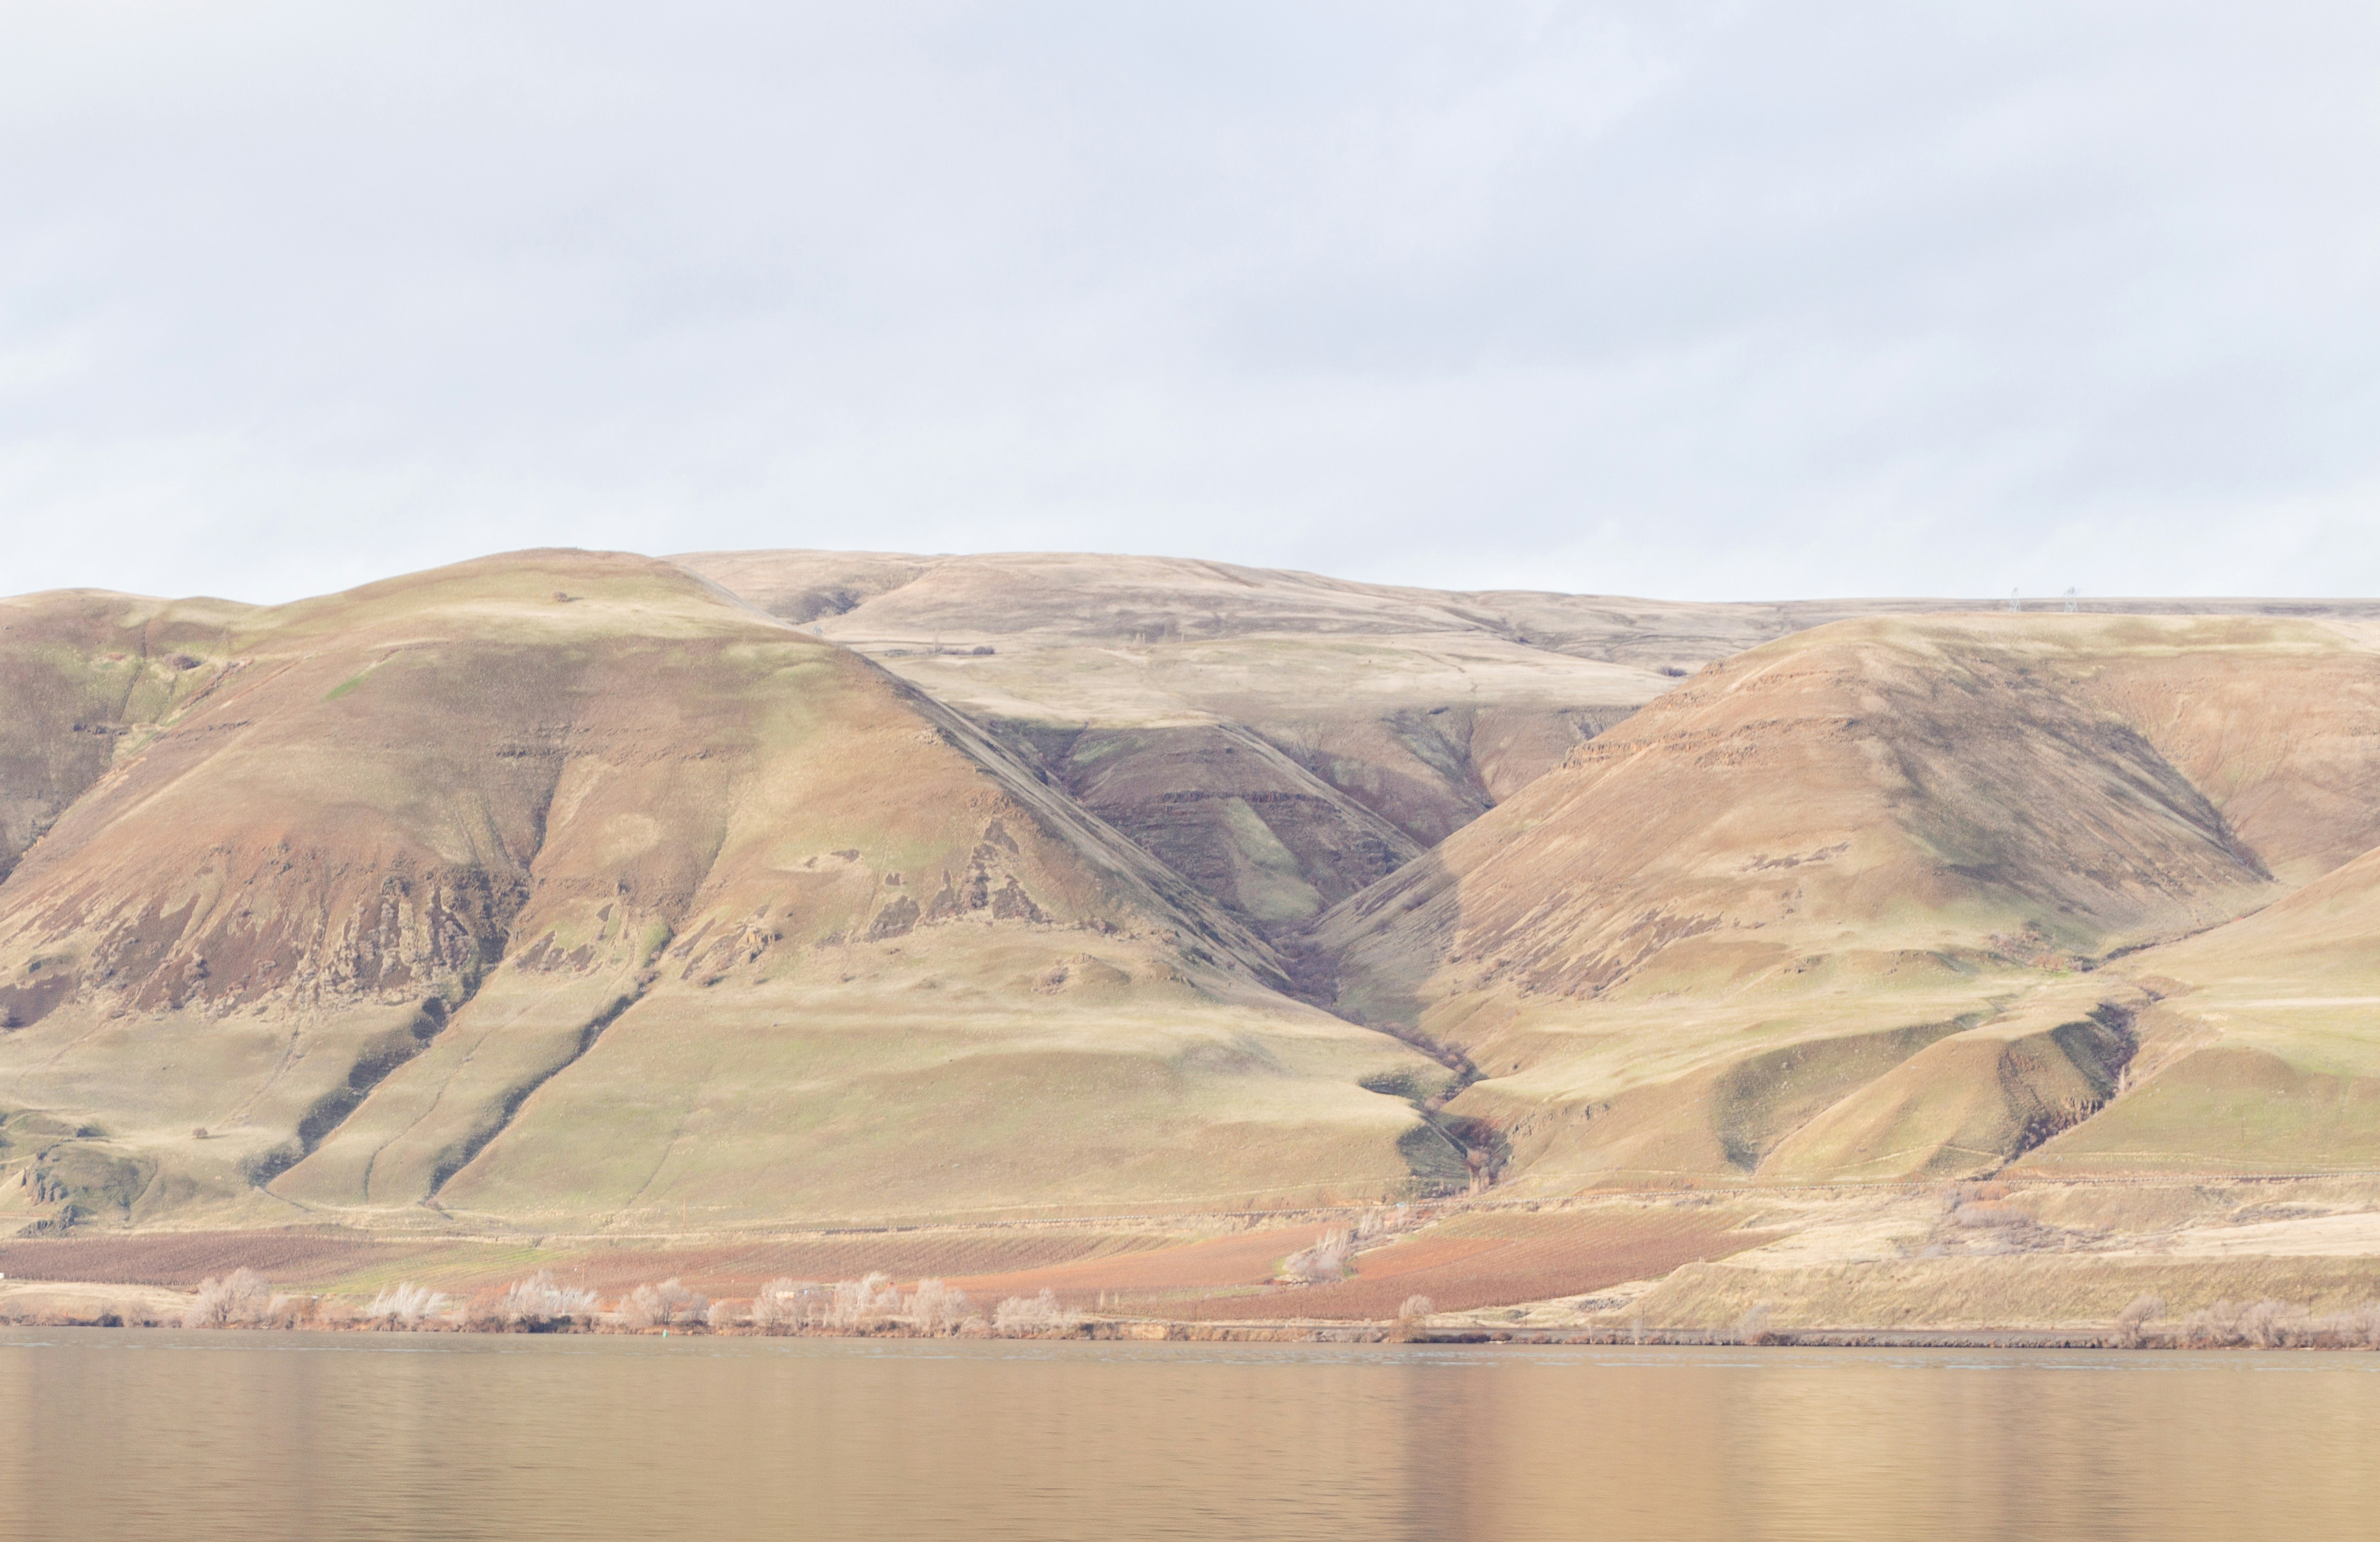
(179, 1260)
(1519, 1258)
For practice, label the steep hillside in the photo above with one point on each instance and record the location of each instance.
(565, 887)
(2262, 1050)
(79, 670)
(1281, 738)
(1832, 908)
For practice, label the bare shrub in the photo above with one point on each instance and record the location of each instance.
(240, 1298)
(722, 1317)
(404, 1306)
(2358, 1326)
(1042, 1313)
(935, 1307)
(784, 1303)
(1327, 1259)
(865, 1302)
(2273, 1325)
(659, 1305)
(1416, 1307)
(2216, 1326)
(2135, 1317)
(538, 1301)
(1753, 1327)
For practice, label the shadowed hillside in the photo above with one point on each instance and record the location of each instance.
(593, 895)
(563, 885)
(1839, 906)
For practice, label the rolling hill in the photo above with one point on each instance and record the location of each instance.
(566, 887)
(605, 895)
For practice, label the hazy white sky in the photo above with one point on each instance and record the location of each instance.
(1694, 300)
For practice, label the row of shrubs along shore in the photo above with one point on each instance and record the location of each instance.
(872, 1304)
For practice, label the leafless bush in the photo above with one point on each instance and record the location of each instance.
(2135, 1317)
(2273, 1325)
(2264, 1324)
(722, 1316)
(784, 1303)
(1327, 1259)
(2358, 1326)
(1032, 1314)
(538, 1301)
(935, 1307)
(659, 1305)
(863, 1303)
(406, 1306)
(2216, 1326)
(1753, 1327)
(240, 1298)
(1416, 1309)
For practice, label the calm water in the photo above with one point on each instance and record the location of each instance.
(260, 1436)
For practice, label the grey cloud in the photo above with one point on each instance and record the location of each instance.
(1716, 300)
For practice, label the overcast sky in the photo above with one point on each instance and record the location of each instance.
(1719, 300)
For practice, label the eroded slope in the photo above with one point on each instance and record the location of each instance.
(1832, 909)
(565, 885)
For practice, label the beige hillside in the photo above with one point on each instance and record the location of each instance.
(1837, 907)
(1281, 739)
(564, 886)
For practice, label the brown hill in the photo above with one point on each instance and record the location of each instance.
(565, 885)
(572, 891)
(1820, 912)
(1281, 738)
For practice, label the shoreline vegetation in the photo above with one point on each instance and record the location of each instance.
(875, 1306)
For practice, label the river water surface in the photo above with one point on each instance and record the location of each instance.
(259, 1437)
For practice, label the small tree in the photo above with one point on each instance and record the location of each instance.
(660, 1305)
(863, 1303)
(782, 1303)
(2134, 1318)
(240, 1299)
(935, 1307)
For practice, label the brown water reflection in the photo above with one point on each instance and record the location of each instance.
(262, 1437)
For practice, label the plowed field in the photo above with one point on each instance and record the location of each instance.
(179, 1260)
(1499, 1260)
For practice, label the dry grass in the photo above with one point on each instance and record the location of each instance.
(2012, 1291)
(1219, 1263)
